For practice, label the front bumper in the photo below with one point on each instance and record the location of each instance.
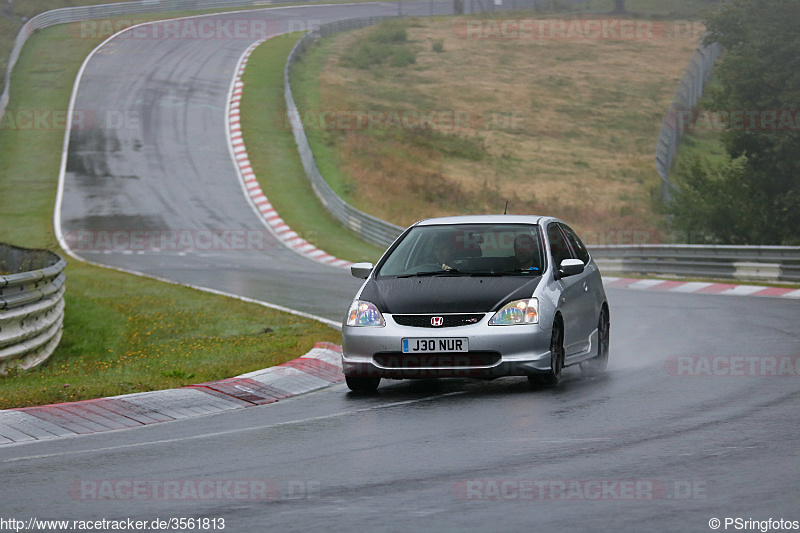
(494, 351)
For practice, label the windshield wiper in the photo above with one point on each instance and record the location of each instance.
(431, 273)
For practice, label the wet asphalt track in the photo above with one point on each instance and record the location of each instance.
(417, 456)
(687, 448)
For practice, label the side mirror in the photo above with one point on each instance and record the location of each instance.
(362, 270)
(571, 267)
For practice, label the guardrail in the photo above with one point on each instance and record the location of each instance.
(368, 227)
(746, 263)
(686, 97)
(31, 306)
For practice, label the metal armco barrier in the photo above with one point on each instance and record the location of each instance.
(368, 227)
(750, 263)
(31, 306)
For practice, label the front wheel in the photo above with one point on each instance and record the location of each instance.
(553, 376)
(597, 364)
(362, 384)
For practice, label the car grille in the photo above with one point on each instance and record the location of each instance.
(399, 360)
(448, 321)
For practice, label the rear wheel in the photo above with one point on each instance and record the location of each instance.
(597, 364)
(553, 376)
(362, 384)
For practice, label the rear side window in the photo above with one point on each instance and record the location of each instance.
(577, 245)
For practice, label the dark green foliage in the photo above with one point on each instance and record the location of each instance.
(759, 74)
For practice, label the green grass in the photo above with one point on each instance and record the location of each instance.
(398, 87)
(566, 127)
(702, 143)
(705, 144)
(122, 333)
(12, 21)
(125, 334)
(273, 155)
(304, 77)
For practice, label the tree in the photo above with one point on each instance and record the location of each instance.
(710, 207)
(759, 83)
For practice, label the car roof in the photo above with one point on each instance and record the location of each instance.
(485, 219)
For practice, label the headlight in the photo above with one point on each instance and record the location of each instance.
(517, 312)
(364, 314)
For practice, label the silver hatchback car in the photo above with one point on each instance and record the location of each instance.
(477, 296)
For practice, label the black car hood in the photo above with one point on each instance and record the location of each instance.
(447, 294)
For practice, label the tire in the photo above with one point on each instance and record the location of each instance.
(597, 364)
(553, 376)
(362, 384)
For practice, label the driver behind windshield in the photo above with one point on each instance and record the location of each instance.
(525, 252)
(443, 251)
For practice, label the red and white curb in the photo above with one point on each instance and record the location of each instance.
(317, 369)
(259, 200)
(699, 287)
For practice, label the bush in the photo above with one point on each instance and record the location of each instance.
(391, 32)
(402, 57)
(386, 42)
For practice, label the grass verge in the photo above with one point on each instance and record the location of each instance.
(273, 155)
(122, 333)
(700, 143)
(125, 334)
(557, 126)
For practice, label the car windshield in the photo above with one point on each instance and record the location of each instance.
(472, 250)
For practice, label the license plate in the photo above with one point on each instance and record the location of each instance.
(435, 345)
